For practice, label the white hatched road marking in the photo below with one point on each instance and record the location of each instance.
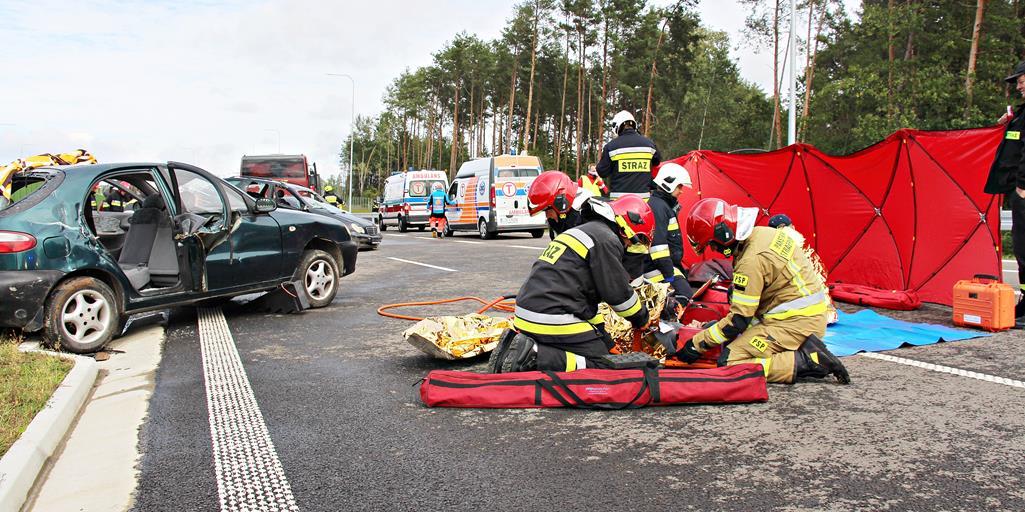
(249, 474)
(947, 369)
(423, 264)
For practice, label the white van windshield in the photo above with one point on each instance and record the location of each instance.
(422, 188)
(522, 172)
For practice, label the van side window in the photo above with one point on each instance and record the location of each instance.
(453, 190)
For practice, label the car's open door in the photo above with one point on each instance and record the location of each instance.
(203, 217)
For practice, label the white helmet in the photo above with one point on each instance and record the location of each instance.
(671, 175)
(620, 118)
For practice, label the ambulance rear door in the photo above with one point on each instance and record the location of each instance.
(511, 184)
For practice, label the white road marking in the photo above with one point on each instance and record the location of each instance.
(947, 369)
(524, 247)
(466, 241)
(395, 234)
(423, 264)
(249, 474)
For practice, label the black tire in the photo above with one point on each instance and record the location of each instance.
(448, 230)
(403, 227)
(315, 268)
(381, 224)
(82, 315)
(482, 230)
(537, 233)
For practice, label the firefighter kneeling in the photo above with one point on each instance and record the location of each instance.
(778, 307)
(557, 325)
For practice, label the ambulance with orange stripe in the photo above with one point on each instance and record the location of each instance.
(490, 196)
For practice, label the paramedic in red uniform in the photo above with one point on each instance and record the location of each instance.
(626, 161)
(1007, 176)
(556, 315)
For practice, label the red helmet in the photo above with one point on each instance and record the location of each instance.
(635, 220)
(712, 221)
(551, 189)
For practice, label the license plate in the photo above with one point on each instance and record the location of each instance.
(513, 213)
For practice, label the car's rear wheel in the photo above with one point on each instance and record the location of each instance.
(82, 315)
(403, 227)
(381, 224)
(318, 273)
(537, 233)
(448, 230)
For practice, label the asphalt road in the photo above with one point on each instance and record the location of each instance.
(336, 389)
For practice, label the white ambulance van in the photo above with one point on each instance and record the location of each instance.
(490, 196)
(405, 199)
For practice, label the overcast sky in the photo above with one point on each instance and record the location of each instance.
(205, 81)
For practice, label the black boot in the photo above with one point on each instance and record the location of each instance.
(521, 356)
(498, 354)
(1019, 310)
(814, 360)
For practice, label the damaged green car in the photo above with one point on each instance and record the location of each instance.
(76, 264)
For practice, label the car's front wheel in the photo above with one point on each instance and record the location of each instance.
(82, 315)
(403, 227)
(381, 224)
(318, 273)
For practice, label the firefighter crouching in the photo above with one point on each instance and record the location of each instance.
(778, 306)
(666, 256)
(557, 325)
(562, 201)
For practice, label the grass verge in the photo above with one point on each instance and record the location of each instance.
(26, 383)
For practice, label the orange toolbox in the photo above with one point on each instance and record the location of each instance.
(984, 302)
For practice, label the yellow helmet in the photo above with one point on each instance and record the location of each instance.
(328, 188)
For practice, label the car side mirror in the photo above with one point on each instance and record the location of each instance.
(265, 205)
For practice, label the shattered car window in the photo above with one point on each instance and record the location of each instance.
(22, 187)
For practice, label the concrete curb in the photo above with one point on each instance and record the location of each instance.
(20, 466)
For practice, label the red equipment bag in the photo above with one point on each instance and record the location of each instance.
(595, 388)
(900, 300)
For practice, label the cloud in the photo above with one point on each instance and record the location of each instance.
(206, 82)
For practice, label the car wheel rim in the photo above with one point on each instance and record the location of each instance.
(320, 280)
(483, 230)
(85, 317)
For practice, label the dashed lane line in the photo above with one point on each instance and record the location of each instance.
(947, 369)
(249, 474)
(466, 241)
(423, 264)
(524, 247)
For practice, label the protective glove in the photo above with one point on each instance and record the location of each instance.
(688, 353)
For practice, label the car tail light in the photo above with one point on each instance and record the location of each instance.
(12, 241)
(492, 196)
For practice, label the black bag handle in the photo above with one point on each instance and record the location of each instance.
(988, 276)
(557, 386)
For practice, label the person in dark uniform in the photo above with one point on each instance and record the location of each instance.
(562, 201)
(556, 319)
(1007, 176)
(331, 197)
(115, 200)
(626, 161)
(665, 263)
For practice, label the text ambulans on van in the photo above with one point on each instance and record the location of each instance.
(405, 199)
(490, 196)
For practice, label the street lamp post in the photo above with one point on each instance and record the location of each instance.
(352, 130)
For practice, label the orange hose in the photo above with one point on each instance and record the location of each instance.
(503, 304)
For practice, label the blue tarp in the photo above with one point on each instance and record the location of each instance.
(869, 331)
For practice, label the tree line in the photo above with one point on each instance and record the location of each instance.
(561, 68)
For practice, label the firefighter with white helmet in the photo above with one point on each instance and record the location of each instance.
(626, 161)
(666, 255)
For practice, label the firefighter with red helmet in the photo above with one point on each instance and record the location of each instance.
(556, 319)
(560, 198)
(665, 263)
(778, 304)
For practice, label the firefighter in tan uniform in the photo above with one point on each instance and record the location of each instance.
(778, 306)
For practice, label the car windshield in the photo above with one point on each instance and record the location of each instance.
(23, 185)
(423, 188)
(314, 199)
(521, 172)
